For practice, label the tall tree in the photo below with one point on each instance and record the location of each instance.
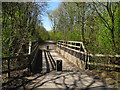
(109, 8)
(19, 25)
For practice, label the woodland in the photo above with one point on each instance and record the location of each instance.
(21, 24)
(96, 24)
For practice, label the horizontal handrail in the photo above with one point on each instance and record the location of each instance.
(14, 57)
(104, 55)
(103, 64)
(79, 51)
(70, 43)
(36, 43)
(25, 55)
(9, 69)
(85, 53)
(15, 69)
(71, 49)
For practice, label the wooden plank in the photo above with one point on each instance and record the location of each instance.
(103, 64)
(9, 68)
(75, 50)
(83, 47)
(85, 53)
(14, 57)
(64, 43)
(15, 69)
(69, 48)
(72, 46)
(74, 42)
(104, 55)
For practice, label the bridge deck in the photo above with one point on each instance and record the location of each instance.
(69, 77)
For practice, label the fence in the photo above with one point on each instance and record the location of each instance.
(76, 52)
(12, 67)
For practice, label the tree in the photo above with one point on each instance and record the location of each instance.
(96, 24)
(19, 24)
(109, 21)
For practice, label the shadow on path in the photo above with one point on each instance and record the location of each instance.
(47, 63)
(22, 81)
(68, 80)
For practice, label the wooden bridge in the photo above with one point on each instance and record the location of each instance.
(40, 69)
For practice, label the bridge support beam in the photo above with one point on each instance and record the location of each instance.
(37, 62)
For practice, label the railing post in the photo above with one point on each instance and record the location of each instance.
(8, 68)
(86, 61)
(29, 47)
(29, 58)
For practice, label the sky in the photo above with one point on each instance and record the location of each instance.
(46, 21)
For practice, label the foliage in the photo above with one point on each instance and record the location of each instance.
(19, 25)
(42, 33)
(96, 24)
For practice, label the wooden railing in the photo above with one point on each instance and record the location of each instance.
(74, 45)
(12, 65)
(8, 67)
(77, 49)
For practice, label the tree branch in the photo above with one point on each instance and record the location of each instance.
(102, 18)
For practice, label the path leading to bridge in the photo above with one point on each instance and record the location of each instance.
(69, 77)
